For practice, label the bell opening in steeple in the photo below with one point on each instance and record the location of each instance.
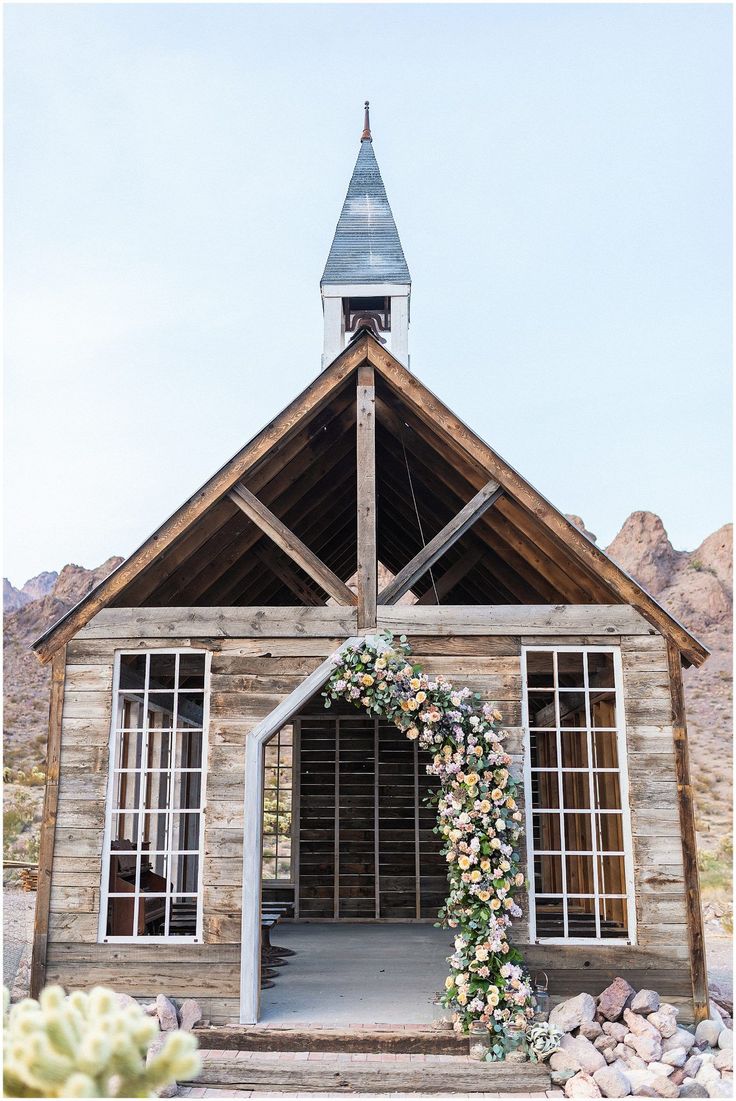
(366, 281)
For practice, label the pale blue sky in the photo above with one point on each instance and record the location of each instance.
(560, 179)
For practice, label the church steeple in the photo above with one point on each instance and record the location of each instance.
(366, 280)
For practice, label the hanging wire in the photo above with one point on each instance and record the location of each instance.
(416, 512)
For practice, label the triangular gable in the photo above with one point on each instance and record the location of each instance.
(459, 438)
(414, 401)
(300, 410)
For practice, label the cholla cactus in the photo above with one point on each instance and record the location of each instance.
(87, 1045)
(543, 1038)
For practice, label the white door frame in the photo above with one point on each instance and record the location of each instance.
(250, 940)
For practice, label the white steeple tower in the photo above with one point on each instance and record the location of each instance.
(366, 280)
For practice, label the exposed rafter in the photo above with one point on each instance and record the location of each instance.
(291, 544)
(442, 542)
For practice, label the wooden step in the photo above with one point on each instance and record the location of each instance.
(342, 1073)
(405, 1040)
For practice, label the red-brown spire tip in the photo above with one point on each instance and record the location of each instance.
(366, 135)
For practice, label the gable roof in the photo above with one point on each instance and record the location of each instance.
(366, 246)
(523, 521)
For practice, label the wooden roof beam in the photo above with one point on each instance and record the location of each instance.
(291, 544)
(442, 541)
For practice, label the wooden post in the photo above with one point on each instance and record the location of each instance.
(366, 463)
(689, 843)
(48, 824)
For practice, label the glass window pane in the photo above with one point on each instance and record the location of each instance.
(163, 672)
(572, 710)
(130, 711)
(570, 669)
(579, 872)
(546, 832)
(185, 831)
(548, 874)
(269, 868)
(540, 669)
(189, 748)
(575, 790)
(191, 670)
(600, 670)
(120, 916)
(614, 917)
(182, 916)
(574, 746)
(550, 917)
(578, 834)
(124, 830)
(543, 747)
(191, 709)
(545, 790)
(609, 833)
(283, 868)
(187, 790)
(542, 709)
(608, 790)
(133, 671)
(581, 917)
(611, 875)
(603, 709)
(605, 749)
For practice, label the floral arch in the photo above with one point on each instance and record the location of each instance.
(478, 820)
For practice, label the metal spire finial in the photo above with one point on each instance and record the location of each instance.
(366, 135)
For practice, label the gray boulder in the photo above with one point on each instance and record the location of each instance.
(190, 1014)
(725, 1038)
(692, 1066)
(615, 1029)
(677, 1057)
(693, 1089)
(591, 1030)
(613, 1000)
(680, 1038)
(571, 1013)
(664, 1020)
(645, 1001)
(582, 1085)
(664, 1087)
(724, 1059)
(166, 1012)
(709, 1031)
(605, 1043)
(611, 1082)
(583, 1052)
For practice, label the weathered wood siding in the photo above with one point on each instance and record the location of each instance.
(249, 678)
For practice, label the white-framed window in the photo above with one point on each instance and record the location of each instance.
(579, 846)
(154, 831)
(278, 807)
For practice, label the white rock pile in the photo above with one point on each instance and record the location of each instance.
(170, 1018)
(626, 1043)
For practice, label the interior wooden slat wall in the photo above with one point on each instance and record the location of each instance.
(366, 840)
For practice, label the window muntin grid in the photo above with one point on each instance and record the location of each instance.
(577, 824)
(278, 800)
(151, 881)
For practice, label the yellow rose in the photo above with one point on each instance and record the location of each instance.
(493, 996)
(485, 806)
(415, 683)
(484, 895)
(495, 843)
(449, 982)
(496, 904)
(519, 879)
(421, 697)
(496, 795)
(474, 875)
(481, 953)
(478, 751)
(462, 998)
(366, 680)
(471, 779)
(412, 705)
(464, 863)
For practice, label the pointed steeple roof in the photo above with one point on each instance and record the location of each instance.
(366, 246)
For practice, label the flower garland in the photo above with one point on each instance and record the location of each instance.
(477, 818)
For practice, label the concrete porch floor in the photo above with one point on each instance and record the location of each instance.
(350, 973)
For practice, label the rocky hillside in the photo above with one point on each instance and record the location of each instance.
(28, 613)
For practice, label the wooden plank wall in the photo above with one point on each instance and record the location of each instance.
(249, 678)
